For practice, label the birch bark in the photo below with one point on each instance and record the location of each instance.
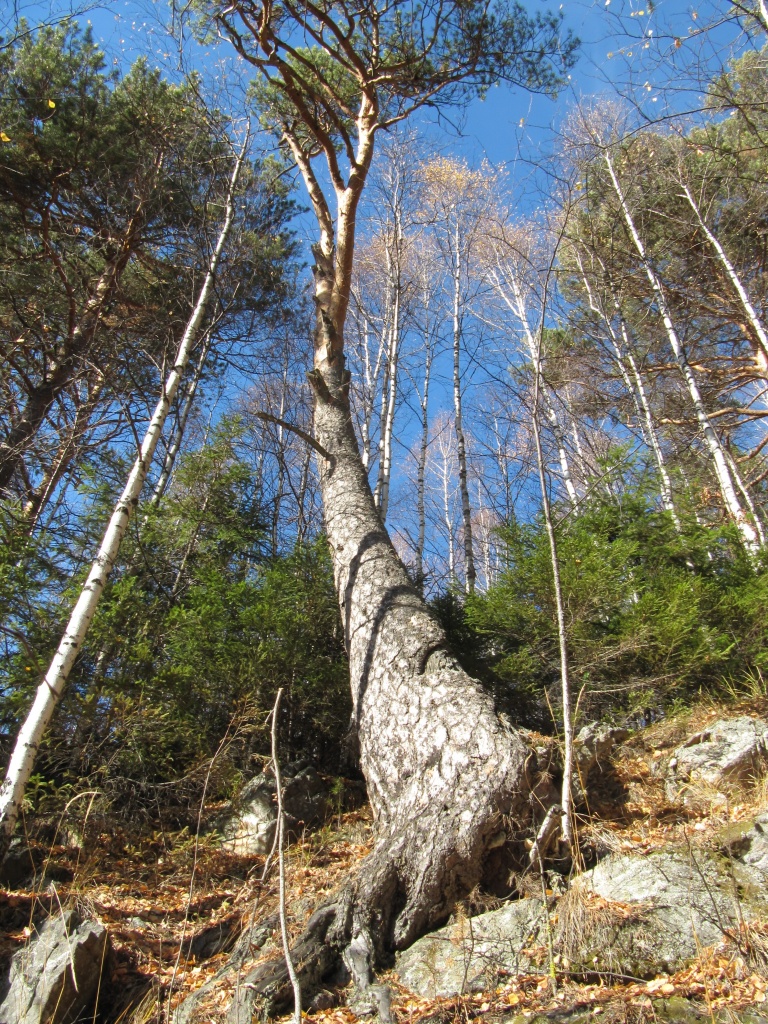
(748, 533)
(389, 397)
(566, 800)
(470, 573)
(635, 387)
(52, 687)
(181, 423)
(424, 443)
(760, 337)
(517, 305)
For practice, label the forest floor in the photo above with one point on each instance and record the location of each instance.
(175, 904)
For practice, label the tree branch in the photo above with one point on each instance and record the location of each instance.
(307, 438)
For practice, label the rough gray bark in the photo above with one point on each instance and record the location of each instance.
(441, 768)
(443, 771)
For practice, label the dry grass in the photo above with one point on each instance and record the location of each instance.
(123, 878)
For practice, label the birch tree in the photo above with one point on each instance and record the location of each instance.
(509, 269)
(728, 489)
(52, 686)
(622, 352)
(457, 200)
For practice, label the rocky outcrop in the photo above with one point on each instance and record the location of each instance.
(54, 980)
(472, 954)
(638, 915)
(631, 916)
(666, 1011)
(248, 828)
(728, 753)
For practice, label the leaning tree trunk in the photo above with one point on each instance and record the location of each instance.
(51, 688)
(442, 769)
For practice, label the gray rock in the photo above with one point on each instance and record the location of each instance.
(632, 915)
(670, 1011)
(729, 752)
(746, 845)
(593, 744)
(754, 852)
(56, 977)
(640, 915)
(472, 953)
(248, 828)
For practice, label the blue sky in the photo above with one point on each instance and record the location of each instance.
(509, 121)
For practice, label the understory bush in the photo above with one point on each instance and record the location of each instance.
(654, 613)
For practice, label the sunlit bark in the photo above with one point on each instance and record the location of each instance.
(51, 688)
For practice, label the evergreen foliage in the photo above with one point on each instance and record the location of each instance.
(197, 630)
(654, 614)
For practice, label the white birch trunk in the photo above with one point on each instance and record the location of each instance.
(566, 799)
(423, 448)
(636, 388)
(445, 445)
(370, 378)
(748, 533)
(746, 495)
(518, 307)
(385, 345)
(181, 424)
(466, 509)
(761, 344)
(51, 688)
(387, 427)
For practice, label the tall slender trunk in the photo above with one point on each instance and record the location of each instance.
(748, 533)
(385, 344)
(423, 449)
(485, 536)
(666, 483)
(181, 423)
(470, 573)
(52, 687)
(301, 498)
(371, 377)
(566, 799)
(393, 353)
(744, 489)
(517, 305)
(281, 468)
(502, 461)
(636, 389)
(447, 516)
(760, 336)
